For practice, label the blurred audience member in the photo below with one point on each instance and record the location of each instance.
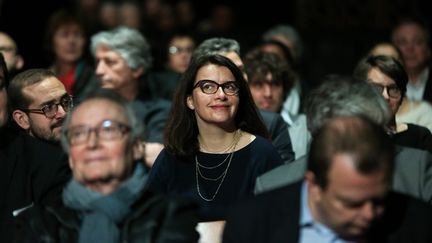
(412, 37)
(285, 41)
(344, 197)
(388, 76)
(106, 200)
(129, 14)
(176, 52)
(410, 111)
(123, 59)
(14, 61)
(271, 79)
(108, 15)
(66, 43)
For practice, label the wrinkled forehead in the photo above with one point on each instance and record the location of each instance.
(93, 111)
(49, 88)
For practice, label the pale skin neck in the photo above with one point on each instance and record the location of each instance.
(213, 138)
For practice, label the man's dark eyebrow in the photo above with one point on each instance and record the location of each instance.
(48, 102)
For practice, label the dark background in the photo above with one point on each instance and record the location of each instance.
(336, 33)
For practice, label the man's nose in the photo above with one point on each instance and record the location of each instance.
(368, 211)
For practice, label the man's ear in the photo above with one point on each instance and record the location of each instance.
(21, 118)
(19, 62)
(138, 72)
(313, 187)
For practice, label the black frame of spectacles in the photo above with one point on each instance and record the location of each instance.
(201, 83)
(124, 128)
(40, 111)
(380, 88)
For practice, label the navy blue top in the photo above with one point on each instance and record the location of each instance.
(175, 176)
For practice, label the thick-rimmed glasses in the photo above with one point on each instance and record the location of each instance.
(211, 87)
(107, 130)
(50, 110)
(392, 90)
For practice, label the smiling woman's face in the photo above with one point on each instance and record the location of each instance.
(217, 108)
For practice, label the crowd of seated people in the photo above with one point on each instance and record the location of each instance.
(115, 141)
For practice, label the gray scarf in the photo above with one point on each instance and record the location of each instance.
(103, 213)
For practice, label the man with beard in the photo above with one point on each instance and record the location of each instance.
(36, 166)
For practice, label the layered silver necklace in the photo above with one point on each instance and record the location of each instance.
(221, 177)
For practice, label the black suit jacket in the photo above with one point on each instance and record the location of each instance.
(274, 217)
(279, 135)
(32, 169)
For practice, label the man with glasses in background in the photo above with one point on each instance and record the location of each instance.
(36, 164)
(388, 76)
(8, 47)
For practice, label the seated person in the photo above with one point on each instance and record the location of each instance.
(344, 197)
(106, 200)
(216, 144)
(388, 76)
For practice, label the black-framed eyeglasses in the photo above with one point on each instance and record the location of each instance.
(107, 130)
(392, 90)
(177, 50)
(211, 87)
(50, 110)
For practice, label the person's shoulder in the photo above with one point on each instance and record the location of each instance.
(261, 146)
(269, 201)
(402, 151)
(418, 129)
(281, 175)
(269, 116)
(404, 211)
(261, 142)
(167, 160)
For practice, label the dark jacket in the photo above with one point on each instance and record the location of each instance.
(31, 171)
(153, 218)
(274, 217)
(85, 81)
(279, 135)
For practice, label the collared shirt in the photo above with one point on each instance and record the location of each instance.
(292, 101)
(415, 90)
(312, 231)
